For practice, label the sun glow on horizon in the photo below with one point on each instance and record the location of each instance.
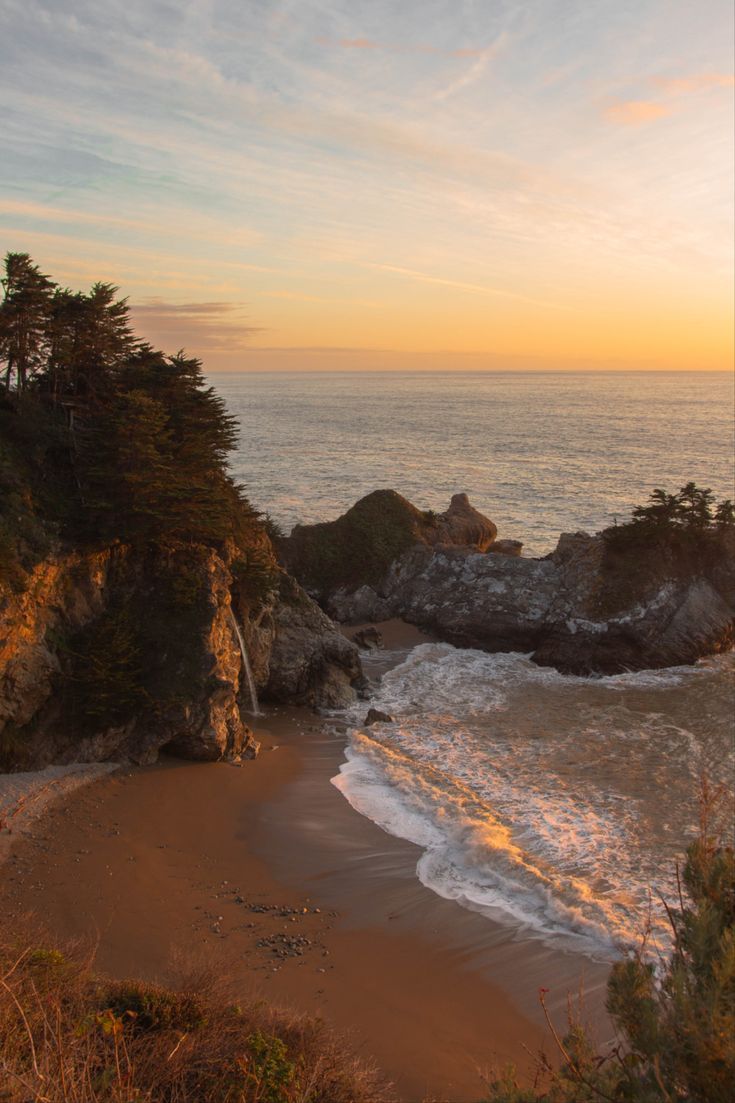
(356, 185)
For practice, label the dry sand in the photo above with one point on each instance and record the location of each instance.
(267, 874)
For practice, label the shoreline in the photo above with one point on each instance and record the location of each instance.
(25, 796)
(266, 873)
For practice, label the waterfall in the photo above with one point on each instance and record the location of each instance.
(254, 706)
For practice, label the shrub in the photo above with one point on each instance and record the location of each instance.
(152, 1008)
(67, 1036)
(677, 1030)
(268, 1069)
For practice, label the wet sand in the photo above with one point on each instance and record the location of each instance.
(266, 873)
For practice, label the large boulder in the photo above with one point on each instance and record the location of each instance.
(311, 662)
(361, 545)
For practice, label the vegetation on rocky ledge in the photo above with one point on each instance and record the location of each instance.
(359, 547)
(680, 535)
(690, 515)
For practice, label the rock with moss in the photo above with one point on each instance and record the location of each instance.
(360, 547)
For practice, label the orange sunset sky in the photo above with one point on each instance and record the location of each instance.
(338, 184)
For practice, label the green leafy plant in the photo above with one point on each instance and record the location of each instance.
(268, 1069)
(676, 1027)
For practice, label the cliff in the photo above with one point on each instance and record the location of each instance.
(592, 606)
(120, 652)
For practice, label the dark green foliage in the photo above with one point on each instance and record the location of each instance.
(24, 320)
(673, 536)
(256, 577)
(725, 514)
(37, 489)
(105, 675)
(358, 547)
(101, 436)
(151, 1008)
(687, 515)
(273, 529)
(269, 1070)
(89, 338)
(153, 458)
(677, 1030)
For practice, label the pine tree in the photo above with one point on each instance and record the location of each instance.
(695, 505)
(663, 510)
(129, 477)
(24, 317)
(90, 339)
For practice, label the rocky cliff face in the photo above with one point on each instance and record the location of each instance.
(578, 610)
(116, 654)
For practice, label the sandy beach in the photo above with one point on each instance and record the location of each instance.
(265, 872)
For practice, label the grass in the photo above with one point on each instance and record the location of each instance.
(68, 1035)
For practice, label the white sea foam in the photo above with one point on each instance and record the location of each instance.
(557, 803)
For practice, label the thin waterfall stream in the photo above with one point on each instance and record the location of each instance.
(254, 706)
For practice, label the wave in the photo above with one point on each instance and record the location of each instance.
(548, 801)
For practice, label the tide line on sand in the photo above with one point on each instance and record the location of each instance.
(24, 796)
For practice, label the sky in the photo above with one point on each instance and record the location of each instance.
(384, 184)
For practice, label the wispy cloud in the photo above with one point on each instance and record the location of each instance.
(636, 112)
(681, 86)
(402, 48)
(475, 72)
(303, 297)
(354, 43)
(199, 327)
(461, 285)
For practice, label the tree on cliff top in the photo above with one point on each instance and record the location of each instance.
(90, 339)
(24, 318)
(145, 444)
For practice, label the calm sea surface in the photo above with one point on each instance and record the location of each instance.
(556, 804)
(539, 453)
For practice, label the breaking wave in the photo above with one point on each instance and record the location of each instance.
(555, 803)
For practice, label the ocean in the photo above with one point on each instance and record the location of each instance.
(539, 452)
(553, 803)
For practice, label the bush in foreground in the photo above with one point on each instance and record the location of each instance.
(68, 1036)
(676, 1030)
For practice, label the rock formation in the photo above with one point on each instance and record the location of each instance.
(360, 546)
(583, 609)
(118, 653)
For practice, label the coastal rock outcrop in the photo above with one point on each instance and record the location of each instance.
(361, 545)
(586, 608)
(311, 662)
(117, 654)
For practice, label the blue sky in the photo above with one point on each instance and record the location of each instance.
(388, 184)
